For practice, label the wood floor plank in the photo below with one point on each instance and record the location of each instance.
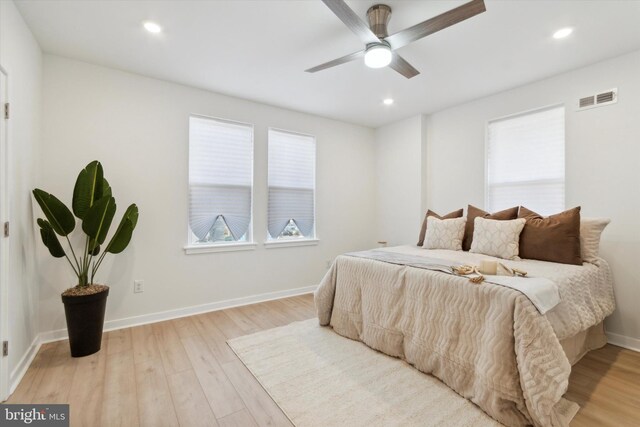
(185, 327)
(119, 340)
(145, 344)
(87, 387)
(155, 405)
(263, 409)
(56, 382)
(26, 390)
(238, 419)
(214, 338)
(191, 405)
(242, 321)
(273, 313)
(120, 405)
(257, 317)
(226, 324)
(174, 358)
(220, 393)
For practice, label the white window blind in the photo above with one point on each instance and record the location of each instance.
(220, 180)
(525, 161)
(292, 161)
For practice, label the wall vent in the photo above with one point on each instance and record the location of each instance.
(598, 100)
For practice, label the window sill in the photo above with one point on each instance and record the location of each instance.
(272, 244)
(224, 247)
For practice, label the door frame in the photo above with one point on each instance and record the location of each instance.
(4, 241)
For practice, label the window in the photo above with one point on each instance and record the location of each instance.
(292, 177)
(525, 161)
(220, 181)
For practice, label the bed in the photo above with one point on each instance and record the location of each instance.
(486, 341)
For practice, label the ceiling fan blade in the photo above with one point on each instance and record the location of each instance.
(351, 20)
(347, 58)
(440, 22)
(399, 64)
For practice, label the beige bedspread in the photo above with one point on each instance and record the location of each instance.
(486, 342)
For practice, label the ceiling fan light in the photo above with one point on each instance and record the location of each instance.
(377, 56)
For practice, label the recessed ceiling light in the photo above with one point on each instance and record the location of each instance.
(152, 27)
(387, 101)
(562, 33)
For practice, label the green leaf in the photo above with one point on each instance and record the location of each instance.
(59, 216)
(98, 219)
(50, 239)
(106, 188)
(89, 188)
(96, 250)
(122, 236)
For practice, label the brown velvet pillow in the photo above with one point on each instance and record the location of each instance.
(555, 238)
(423, 230)
(473, 213)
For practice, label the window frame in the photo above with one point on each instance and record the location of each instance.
(511, 116)
(270, 242)
(249, 244)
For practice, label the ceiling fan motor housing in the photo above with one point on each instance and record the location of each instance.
(379, 15)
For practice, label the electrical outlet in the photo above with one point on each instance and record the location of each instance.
(138, 286)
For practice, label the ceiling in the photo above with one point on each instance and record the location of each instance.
(258, 49)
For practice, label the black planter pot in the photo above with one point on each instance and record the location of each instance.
(85, 319)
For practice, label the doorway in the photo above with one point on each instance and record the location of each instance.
(4, 240)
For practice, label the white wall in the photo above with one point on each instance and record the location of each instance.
(22, 59)
(138, 128)
(602, 162)
(398, 181)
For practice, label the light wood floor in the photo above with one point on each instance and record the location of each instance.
(181, 372)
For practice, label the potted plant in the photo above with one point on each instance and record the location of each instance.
(95, 207)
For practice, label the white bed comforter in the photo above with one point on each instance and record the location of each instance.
(586, 291)
(487, 342)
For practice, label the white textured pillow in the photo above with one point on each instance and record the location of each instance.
(497, 238)
(444, 233)
(590, 232)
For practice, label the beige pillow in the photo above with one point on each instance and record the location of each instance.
(444, 233)
(497, 238)
(590, 232)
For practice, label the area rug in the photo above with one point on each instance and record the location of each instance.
(319, 378)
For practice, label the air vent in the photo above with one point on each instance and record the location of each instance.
(598, 100)
(587, 101)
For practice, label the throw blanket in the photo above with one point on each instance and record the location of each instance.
(488, 343)
(542, 292)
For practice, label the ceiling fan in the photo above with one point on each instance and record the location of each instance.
(379, 45)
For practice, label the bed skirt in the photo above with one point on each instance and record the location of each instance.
(580, 344)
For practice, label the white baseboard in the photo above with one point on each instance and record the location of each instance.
(623, 341)
(24, 363)
(111, 325)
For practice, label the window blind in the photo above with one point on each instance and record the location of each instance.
(220, 176)
(291, 180)
(525, 161)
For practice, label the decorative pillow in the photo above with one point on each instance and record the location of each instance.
(590, 232)
(499, 238)
(423, 230)
(555, 238)
(444, 233)
(473, 213)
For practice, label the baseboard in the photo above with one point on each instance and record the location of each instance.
(21, 368)
(111, 325)
(623, 341)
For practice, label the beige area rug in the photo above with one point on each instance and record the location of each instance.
(319, 378)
